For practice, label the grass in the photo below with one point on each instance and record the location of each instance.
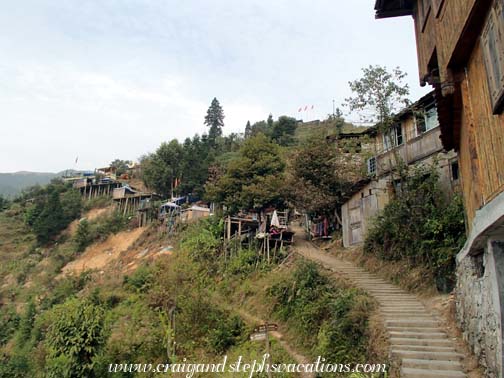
(308, 130)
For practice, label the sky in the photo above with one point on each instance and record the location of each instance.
(104, 79)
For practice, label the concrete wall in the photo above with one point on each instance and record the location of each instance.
(479, 291)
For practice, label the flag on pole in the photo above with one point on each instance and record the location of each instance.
(76, 159)
(301, 108)
(312, 107)
(306, 108)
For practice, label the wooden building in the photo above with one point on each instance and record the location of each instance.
(460, 45)
(91, 188)
(414, 140)
(129, 200)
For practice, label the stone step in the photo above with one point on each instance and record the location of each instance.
(432, 364)
(417, 341)
(441, 356)
(400, 311)
(407, 315)
(421, 373)
(412, 322)
(413, 329)
(425, 348)
(418, 335)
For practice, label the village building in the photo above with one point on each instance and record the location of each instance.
(460, 45)
(415, 139)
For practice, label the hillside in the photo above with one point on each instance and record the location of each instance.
(307, 130)
(13, 183)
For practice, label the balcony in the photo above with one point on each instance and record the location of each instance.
(415, 149)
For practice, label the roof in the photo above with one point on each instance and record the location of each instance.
(199, 208)
(428, 99)
(357, 187)
(393, 8)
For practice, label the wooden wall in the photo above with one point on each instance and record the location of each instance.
(482, 139)
(441, 32)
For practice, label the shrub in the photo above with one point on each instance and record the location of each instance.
(75, 336)
(9, 320)
(421, 227)
(83, 235)
(330, 320)
(202, 240)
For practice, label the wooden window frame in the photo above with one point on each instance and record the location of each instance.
(493, 36)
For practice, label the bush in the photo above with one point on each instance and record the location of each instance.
(53, 209)
(421, 227)
(202, 240)
(100, 229)
(9, 320)
(330, 320)
(74, 338)
(83, 235)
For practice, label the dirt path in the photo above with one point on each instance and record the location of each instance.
(419, 343)
(298, 357)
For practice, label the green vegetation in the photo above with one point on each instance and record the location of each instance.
(121, 166)
(253, 180)
(330, 320)
(421, 227)
(99, 229)
(320, 178)
(52, 209)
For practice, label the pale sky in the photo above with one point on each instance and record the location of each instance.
(106, 79)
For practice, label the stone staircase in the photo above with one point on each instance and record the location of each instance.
(419, 344)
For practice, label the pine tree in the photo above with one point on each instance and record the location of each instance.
(270, 121)
(248, 130)
(214, 120)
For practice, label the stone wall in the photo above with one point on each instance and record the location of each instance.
(478, 305)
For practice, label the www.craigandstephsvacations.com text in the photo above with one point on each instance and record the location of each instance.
(249, 367)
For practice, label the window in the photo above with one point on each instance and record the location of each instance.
(392, 138)
(371, 166)
(454, 170)
(493, 53)
(427, 119)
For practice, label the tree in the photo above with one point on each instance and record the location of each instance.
(254, 180)
(162, 168)
(51, 219)
(194, 166)
(379, 95)
(260, 127)
(214, 119)
(283, 130)
(83, 235)
(319, 179)
(338, 120)
(74, 338)
(248, 130)
(121, 166)
(270, 121)
(4, 203)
